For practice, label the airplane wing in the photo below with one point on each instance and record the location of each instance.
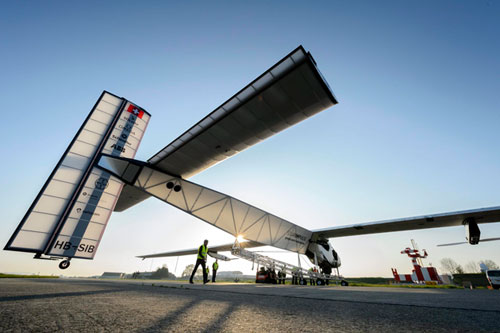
(287, 93)
(483, 215)
(211, 249)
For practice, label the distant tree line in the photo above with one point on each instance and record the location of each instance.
(163, 273)
(189, 269)
(160, 273)
(450, 266)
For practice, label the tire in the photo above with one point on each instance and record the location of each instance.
(344, 283)
(64, 264)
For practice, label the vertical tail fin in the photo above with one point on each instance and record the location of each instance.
(69, 215)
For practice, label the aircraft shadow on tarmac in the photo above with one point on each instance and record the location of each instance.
(54, 295)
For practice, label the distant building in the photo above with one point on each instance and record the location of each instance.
(142, 275)
(112, 275)
(471, 280)
(447, 279)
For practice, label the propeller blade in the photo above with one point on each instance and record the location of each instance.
(480, 241)
(450, 244)
(490, 239)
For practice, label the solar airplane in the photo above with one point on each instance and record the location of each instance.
(98, 174)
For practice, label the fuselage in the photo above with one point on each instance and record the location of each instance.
(321, 252)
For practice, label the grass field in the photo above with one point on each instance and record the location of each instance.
(3, 276)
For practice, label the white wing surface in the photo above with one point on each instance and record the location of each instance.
(483, 215)
(289, 92)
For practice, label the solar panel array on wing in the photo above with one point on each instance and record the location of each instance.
(286, 94)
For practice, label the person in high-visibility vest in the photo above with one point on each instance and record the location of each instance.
(215, 267)
(201, 259)
(283, 275)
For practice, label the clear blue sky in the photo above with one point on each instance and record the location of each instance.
(415, 132)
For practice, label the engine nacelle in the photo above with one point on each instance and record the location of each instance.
(472, 232)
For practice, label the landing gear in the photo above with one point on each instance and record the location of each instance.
(64, 264)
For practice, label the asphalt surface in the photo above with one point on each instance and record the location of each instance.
(47, 305)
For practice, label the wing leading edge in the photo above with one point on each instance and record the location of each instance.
(287, 93)
(482, 215)
(211, 249)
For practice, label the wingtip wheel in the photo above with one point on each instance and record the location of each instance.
(64, 264)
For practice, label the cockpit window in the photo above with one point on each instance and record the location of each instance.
(335, 255)
(326, 246)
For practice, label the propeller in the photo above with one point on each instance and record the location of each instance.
(482, 240)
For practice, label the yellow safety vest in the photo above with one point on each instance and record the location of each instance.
(203, 252)
(215, 266)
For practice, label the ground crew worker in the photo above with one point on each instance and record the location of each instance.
(281, 276)
(317, 277)
(311, 278)
(215, 267)
(208, 274)
(302, 281)
(295, 278)
(201, 260)
(327, 271)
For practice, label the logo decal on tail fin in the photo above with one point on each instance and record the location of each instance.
(135, 111)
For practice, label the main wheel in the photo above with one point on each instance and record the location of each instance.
(64, 264)
(344, 283)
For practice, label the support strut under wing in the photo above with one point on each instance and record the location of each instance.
(220, 210)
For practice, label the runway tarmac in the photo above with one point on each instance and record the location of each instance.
(103, 305)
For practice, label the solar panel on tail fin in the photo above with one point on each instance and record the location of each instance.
(70, 213)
